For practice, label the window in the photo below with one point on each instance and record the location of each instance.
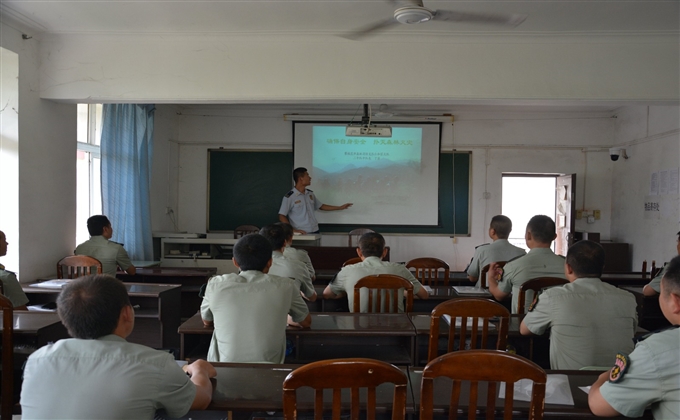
(88, 168)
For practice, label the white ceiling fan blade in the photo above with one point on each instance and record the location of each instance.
(493, 18)
(371, 29)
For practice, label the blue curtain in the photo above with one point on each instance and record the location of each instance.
(126, 150)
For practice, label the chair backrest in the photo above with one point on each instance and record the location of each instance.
(356, 234)
(536, 285)
(490, 366)
(337, 374)
(351, 261)
(644, 268)
(384, 288)
(244, 230)
(75, 266)
(654, 271)
(427, 270)
(485, 269)
(469, 318)
(7, 397)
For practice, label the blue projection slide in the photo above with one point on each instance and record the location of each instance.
(378, 175)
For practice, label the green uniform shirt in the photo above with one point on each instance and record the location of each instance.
(293, 269)
(351, 274)
(655, 284)
(103, 378)
(498, 250)
(589, 320)
(250, 313)
(109, 253)
(539, 262)
(652, 377)
(11, 288)
(300, 255)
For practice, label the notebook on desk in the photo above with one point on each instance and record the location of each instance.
(471, 290)
(52, 284)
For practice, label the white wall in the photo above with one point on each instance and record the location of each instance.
(274, 68)
(508, 142)
(164, 169)
(9, 155)
(47, 167)
(651, 138)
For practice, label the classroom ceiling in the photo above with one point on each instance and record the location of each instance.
(339, 17)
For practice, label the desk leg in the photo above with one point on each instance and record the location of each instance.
(181, 347)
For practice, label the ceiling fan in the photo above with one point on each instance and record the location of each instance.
(415, 12)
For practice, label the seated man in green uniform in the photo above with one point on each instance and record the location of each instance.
(250, 310)
(499, 250)
(539, 262)
(287, 267)
(371, 250)
(296, 254)
(589, 320)
(110, 254)
(11, 288)
(98, 374)
(653, 287)
(651, 373)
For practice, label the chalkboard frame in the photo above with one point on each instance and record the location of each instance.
(454, 193)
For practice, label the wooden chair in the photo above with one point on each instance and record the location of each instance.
(387, 287)
(474, 315)
(75, 266)
(427, 270)
(7, 397)
(351, 261)
(644, 268)
(485, 269)
(536, 285)
(490, 366)
(244, 230)
(356, 234)
(337, 374)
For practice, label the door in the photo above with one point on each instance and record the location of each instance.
(565, 212)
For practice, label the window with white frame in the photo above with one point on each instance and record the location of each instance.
(88, 168)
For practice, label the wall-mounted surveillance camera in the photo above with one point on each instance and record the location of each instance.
(615, 152)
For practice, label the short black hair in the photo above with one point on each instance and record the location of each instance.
(298, 173)
(671, 278)
(252, 252)
(502, 225)
(275, 234)
(542, 229)
(90, 306)
(96, 225)
(372, 244)
(586, 258)
(288, 230)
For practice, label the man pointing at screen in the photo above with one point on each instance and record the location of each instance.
(298, 206)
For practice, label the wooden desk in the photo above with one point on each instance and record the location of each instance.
(577, 378)
(156, 314)
(36, 329)
(626, 279)
(259, 387)
(443, 293)
(387, 337)
(191, 280)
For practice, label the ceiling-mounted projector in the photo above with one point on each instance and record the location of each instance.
(368, 131)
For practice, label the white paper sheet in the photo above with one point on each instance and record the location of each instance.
(52, 284)
(471, 290)
(557, 390)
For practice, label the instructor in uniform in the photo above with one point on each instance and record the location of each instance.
(298, 206)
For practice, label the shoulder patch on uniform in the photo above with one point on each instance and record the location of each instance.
(289, 193)
(308, 190)
(621, 365)
(649, 334)
(117, 243)
(481, 245)
(534, 303)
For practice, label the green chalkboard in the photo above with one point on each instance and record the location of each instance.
(245, 188)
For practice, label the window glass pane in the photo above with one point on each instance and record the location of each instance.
(82, 123)
(97, 125)
(82, 195)
(96, 190)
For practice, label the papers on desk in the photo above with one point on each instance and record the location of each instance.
(459, 322)
(428, 289)
(471, 290)
(52, 284)
(557, 390)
